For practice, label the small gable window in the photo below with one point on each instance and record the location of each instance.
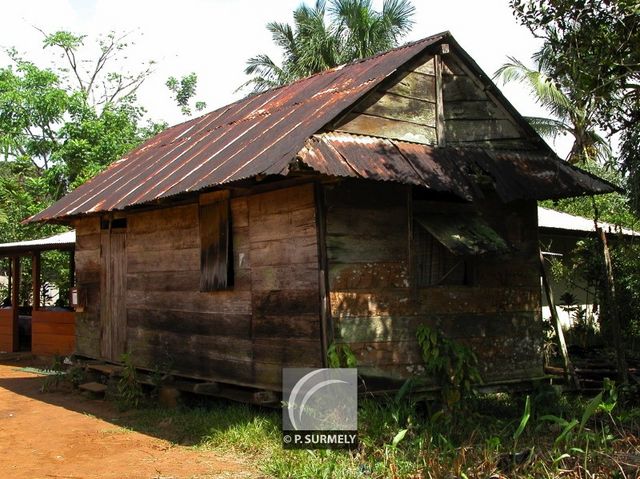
(216, 255)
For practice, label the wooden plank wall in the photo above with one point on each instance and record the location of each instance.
(376, 312)
(244, 335)
(404, 109)
(52, 332)
(472, 117)
(87, 261)
(6, 330)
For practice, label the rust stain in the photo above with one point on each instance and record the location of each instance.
(265, 133)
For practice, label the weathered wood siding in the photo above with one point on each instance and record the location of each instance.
(52, 332)
(376, 311)
(243, 335)
(473, 117)
(436, 100)
(402, 109)
(87, 261)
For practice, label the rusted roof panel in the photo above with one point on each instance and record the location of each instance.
(515, 175)
(257, 135)
(62, 241)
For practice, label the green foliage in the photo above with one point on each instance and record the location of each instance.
(591, 49)
(183, 91)
(130, 392)
(61, 125)
(341, 356)
(325, 36)
(453, 365)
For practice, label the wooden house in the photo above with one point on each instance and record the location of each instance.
(348, 207)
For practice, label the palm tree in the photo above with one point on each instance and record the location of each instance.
(572, 113)
(323, 38)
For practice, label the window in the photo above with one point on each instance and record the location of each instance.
(446, 245)
(216, 256)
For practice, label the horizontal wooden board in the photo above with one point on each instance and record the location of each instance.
(456, 326)
(461, 88)
(285, 327)
(415, 85)
(294, 250)
(188, 280)
(150, 260)
(366, 195)
(6, 343)
(496, 144)
(398, 107)
(234, 302)
(387, 353)
(45, 329)
(281, 201)
(171, 240)
(368, 276)
(297, 276)
(88, 346)
(87, 260)
(434, 300)
(287, 302)
(53, 316)
(472, 110)
(239, 212)
(179, 344)
(294, 353)
(364, 124)
(86, 226)
(192, 322)
(366, 249)
(345, 221)
(480, 130)
(424, 65)
(88, 242)
(163, 219)
(268, 227)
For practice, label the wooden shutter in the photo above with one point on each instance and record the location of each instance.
(216, 258)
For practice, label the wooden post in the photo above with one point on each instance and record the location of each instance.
(326, 330)
(612, 310)
(569, 371)
(437, 64)
(35, 279)
(15, 299)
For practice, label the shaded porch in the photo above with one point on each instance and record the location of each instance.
(36, 313)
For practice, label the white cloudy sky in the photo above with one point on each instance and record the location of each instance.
(214, 38)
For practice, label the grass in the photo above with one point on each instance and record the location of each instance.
(485, 439)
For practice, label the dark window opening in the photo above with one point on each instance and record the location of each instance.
(436, 265)
(216, 253)
(117, 223)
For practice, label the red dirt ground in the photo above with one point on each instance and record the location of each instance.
(58, 435)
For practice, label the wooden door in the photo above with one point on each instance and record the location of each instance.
(113, 281)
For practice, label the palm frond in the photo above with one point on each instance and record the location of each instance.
(549, 127)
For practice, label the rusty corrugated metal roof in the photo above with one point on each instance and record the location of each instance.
(260, 134)
(263, 134)
(515, 175)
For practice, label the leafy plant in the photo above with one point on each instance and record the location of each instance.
(452, 364)
(129, 390)
(341, 356)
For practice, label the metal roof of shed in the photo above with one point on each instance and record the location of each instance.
(559, 221)
(66, 240)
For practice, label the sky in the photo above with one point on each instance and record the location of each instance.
(214, 38)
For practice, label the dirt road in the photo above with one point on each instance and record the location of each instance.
(57, 435)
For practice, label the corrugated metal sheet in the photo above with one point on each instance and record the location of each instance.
(66, 240)
(263, 134)
(557, 220)
(257, 135)
(515, 175)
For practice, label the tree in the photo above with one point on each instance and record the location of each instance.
(593, 45)
(183, 91)
(572, 113)
(60, 126)
(325, 36)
